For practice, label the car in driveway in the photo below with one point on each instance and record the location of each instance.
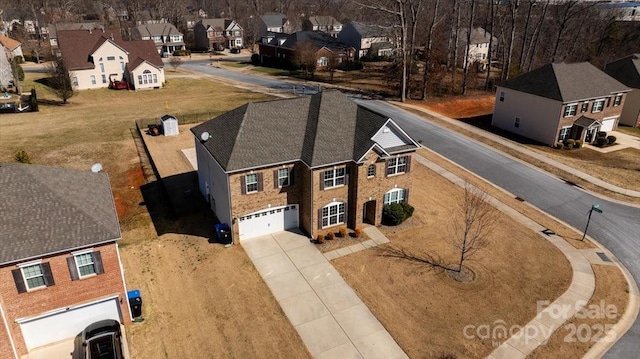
(102, 340)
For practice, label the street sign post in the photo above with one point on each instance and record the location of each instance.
(596, 208)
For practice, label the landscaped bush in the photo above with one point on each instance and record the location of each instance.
(357, 232)
(320, 239)
(255, 59)
(22, 157)
(601, 141)
(568, 143)
(611, 140)
(578, 144)
(601, 134)
(395, 213)
(182, 53)
(343, 232)
(331, 236)
(559, 145)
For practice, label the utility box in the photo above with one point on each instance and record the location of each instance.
(169, 125)
(135, 303)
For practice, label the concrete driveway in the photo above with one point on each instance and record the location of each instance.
(329, 316)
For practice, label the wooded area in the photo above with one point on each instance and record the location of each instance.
(431, 34)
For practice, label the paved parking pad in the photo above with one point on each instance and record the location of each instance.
(329, 316)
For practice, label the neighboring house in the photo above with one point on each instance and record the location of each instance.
(329, 51)
(273, 22)
(627, 71)
(60, 269)
(95, 58)
(323, 23)
(361, 36)
(6, 73)
(166, 37)
(12, 47)
(559, 101)
(217, 34)
(622, 11)
(53, 30)
(477, 52)
(314, 163)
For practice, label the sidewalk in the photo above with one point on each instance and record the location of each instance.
(581, 288)
(525, 151)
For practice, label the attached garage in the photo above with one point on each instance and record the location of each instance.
(269, 220)
(608, 124)
(68, 322)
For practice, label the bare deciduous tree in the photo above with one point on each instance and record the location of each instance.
(474, 221)
(306, 56)
(175, 62)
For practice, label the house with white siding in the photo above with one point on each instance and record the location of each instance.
(627, 71)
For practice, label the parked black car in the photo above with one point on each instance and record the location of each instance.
(102, 340)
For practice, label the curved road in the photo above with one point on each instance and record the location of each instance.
(617, 228)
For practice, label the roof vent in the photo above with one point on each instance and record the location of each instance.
(97, 167)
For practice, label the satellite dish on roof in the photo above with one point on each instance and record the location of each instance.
(97, 167)
(205, 136)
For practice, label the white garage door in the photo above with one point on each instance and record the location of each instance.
(607, 124)
(67, 322)
(267, 221)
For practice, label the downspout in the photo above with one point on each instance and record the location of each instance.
(124, 283)
(6, 325)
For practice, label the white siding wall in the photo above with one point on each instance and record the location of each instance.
(539, 116)
(389, 137)
(139, 71)
(631, 112)
(110, 67)
(210, 173)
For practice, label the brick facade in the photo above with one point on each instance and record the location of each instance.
(64, 293)
(609, 110)
(307, 191)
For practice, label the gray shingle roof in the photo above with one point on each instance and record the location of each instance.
(46, 210)
(566, 82)
(162, 29)
(323, 129)
(318, 38)
(368, 30)
(274, 19)
(625, 70)
(324, 21)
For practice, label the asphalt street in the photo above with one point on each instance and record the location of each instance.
(617, 228)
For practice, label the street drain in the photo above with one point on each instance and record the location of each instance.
(603, 257)
(520, 199)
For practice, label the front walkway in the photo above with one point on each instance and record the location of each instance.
(329, 316)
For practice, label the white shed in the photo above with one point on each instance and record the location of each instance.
(169, 125)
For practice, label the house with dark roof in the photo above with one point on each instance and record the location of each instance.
(218, 34)
(328, 51)
(363, 36)
(326, 24)
(99, 58)
(165, 35)
(53, 30)
(627, 71)
(60, 269)
(560, 101)
(477, 51)
(315, 163)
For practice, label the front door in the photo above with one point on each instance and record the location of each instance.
(370, 212)
(591, 132)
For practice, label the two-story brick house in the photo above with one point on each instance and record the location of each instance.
(559, 101)
(60, 269)
(166, 37)
(313, 163)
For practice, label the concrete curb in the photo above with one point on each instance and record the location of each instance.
(598, 182)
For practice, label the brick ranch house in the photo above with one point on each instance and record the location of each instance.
(314, 163)
(560, 101)
(60, 268)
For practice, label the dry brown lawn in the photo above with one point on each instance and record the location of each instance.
(426, 311)
(461, 107)
(576, 336)
(199, 300)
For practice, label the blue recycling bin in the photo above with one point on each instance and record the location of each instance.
(135, 303)
(223, 232)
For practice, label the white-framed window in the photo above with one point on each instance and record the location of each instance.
(146, 78)
(501, 96)
(283, 177)
(617, 100)
(251, 183)
(101, 67)
(516, 123)
(139, 79)
(396, 195)
(396, 165)
(33, 276)
(85, 264)
(585, 106)
(122, 65)
(570, 110)
(93, 79)
(111, 58)
(104, 79)
(371, 171)
(598, 105)
(332, 214)
(239, 42)
(564, 133)
(75, 81)
(323, 61)
(334, 177)
(155, 78)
